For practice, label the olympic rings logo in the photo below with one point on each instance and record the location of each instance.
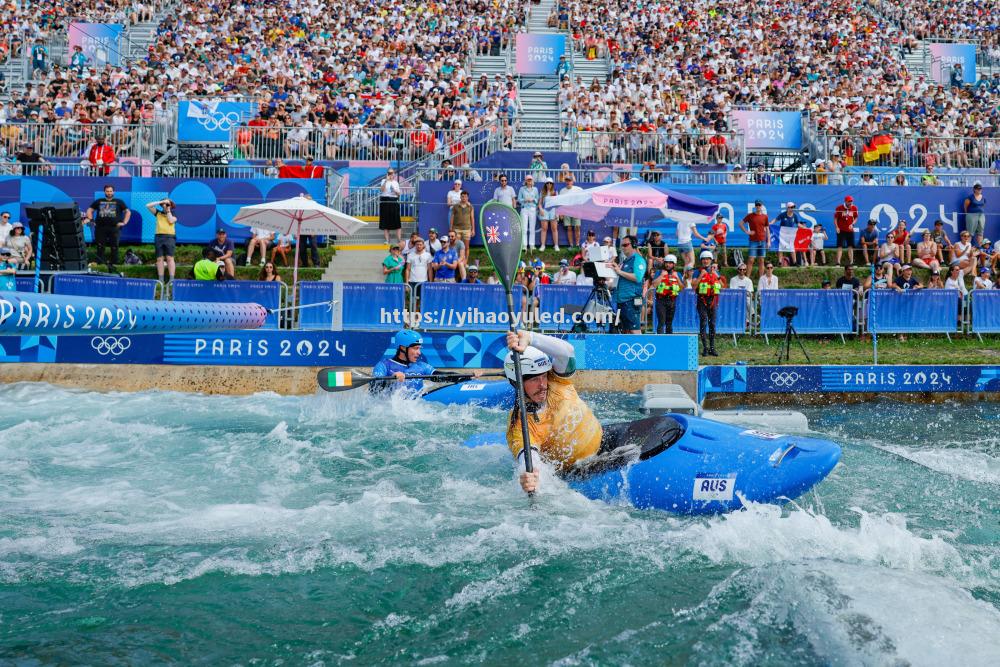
(219, 122)
(110, 345)
(783, 379)
(637, 351)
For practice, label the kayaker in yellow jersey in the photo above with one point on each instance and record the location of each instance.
(562, 428)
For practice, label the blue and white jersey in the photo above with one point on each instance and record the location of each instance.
(390, 365)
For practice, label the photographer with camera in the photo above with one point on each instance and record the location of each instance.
(165, 238)
(667, 286)
(708, 286)
(628, 293)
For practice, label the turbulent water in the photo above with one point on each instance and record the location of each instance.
(158, 527)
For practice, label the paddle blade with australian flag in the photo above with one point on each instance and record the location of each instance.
(500, 227)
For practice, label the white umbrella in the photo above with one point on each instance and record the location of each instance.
(299, 215)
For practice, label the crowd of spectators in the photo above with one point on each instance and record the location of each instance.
(678, 69)
(338, 71)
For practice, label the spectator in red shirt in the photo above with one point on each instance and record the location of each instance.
(757, 226)
(101, 156)
(719, 231)
(845, 217)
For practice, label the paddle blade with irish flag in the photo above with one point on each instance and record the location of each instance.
(333, 380)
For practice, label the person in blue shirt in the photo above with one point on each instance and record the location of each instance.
(8, 271)
(406, 362)
(445, 263)
(628, 293)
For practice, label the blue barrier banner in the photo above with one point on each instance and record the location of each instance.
(730, 319)
(864, 379)
(211, 121)
(25, 284)
(630, 352)
(770, 129)
(104, 286)
(455, 306)
(552, 298)
(469, 349)
(985, 311)
(232, 291)
(310, 294)
(920, 207)
(359, 307)
(373, 306)
(821, 311)
(203, 204)
(914, 311)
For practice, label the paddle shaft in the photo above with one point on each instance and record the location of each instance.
(519, 380)
(360, 381)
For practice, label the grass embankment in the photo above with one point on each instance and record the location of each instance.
(916, 349)
(187, 255)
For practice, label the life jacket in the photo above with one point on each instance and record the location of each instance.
(670, 286)
(709, 286)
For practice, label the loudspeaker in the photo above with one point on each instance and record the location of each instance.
(63, 247)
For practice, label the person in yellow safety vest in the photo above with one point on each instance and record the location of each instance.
(707, 286)
(667, 285)
(561, 427)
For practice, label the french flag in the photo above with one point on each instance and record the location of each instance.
(794, 239)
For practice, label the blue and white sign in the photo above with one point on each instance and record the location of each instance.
(99, 42)
(770, 129)
(337, 348)
(944, 57)
(741, 379)
(211, 121)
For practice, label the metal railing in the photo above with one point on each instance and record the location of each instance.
(691, 148)
(57, 140)
(271, 142)
(908, 150)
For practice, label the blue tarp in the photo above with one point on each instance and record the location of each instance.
(986, 311)
(914, 311)
(821, 311)
(108, 287)
(731, 318)
(232, 291)
(465, 306)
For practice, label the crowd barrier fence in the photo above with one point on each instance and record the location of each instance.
(819, 311)
(985, 311)
(355, 306)
(915, 311)
(450, 306)
(107, 287)
(271, 295)
(478, 307)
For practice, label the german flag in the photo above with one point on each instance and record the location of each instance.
(877, 146)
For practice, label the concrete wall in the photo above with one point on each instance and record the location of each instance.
(285, 380)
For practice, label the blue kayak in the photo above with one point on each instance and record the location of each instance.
(690, 465)
(484, 393)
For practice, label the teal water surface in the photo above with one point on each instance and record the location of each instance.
(155, 527)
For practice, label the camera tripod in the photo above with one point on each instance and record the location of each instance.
(785, 347)
(599, 305)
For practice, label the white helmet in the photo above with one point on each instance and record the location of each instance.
(533, 362)
(706, 254)
(670, 258)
